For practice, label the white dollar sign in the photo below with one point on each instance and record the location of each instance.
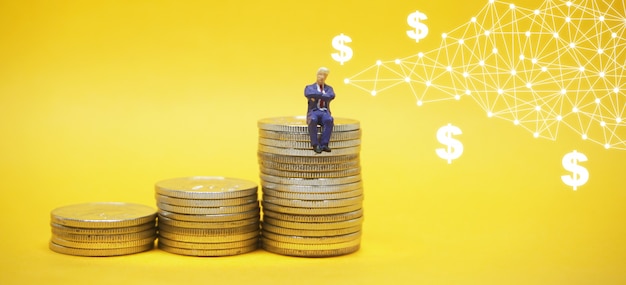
(580, 175)
(345, 52)
(421, 30)
(444, 135)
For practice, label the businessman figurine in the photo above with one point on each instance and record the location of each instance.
(319, 95)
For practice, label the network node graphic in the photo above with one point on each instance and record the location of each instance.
(561, 65)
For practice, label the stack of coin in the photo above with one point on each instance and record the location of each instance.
(103, 229)
(208, 216)
(312, 202)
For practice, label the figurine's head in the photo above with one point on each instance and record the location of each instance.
(322, 73)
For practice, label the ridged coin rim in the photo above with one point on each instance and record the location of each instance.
(333, 144)
(56, 228)
(305, 246)
(312, 175)
(204, 246)
(314, 219)
(311, 240)
(312, 196)
(308, 152)
(311, 253)
(208, 211)
(289, 159)
(308, 233)
(310, 211)
(338, 188)
(209, 239)
(314, 226)
(209, 225)
(103, 215)
(102, 245)
(107, 238)
(328, 167)
(210, 218)
(299, 124)
(345, 202)
(304, 136)
(205, 203)
(208, 232)
(99, 252)
(208, 252)
(308, 181)
(206, 187)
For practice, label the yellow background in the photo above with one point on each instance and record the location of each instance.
(101, 99)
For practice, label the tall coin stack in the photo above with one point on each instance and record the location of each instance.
(312, 203)
(208, 216)
(103, 229)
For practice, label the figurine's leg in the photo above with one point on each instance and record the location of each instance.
(327, 130)
(312, 121)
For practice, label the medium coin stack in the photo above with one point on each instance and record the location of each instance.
(103, 229)
(208, 216)
(312, 203)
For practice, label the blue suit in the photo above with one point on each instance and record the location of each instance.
(318, 112)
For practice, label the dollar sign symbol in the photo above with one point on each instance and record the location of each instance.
(580, 175)
(345, 52)
(421, 30)
(444, 135)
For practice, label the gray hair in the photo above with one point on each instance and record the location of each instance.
(323, 70)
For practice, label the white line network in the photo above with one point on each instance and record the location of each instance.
(559, 65)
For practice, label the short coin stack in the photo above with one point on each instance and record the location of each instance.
(208, 215)
(103, 229)
(312, 203)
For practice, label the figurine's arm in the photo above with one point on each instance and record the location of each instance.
(311, 92)
(330, 94)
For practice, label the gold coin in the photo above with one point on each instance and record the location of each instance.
(206, 187)
(277, 158)
(311, 253)
(209, 225)
(312, 240)
(315, 203)
(314, 168)
(219, 245)
(303, 246)
(298, 124)
(61, 229)
(206, 203)
(310, 211)
(313, 219)
(310, 189)
(210, 218)
(100, 252)
(314, 226)
(312, 196)
(308, 233)
(106, 238)
(208, 252)
(208, 211)
(307, 144)
(102, 245)
(308, 152)
(312, 175)
(209, 239)
(103, 215)
(208, 232)
(304, 136)
(308, 181)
